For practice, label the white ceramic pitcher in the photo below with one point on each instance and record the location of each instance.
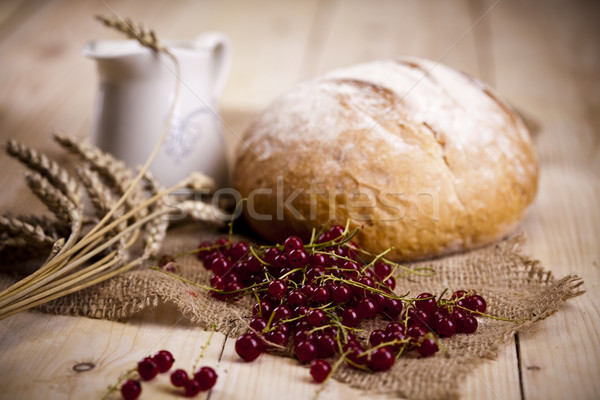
(135, 94)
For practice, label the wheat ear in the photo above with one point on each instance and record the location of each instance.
(146, 37)
(14, 226)
(101, 196)
(47, 168)
(58, 203)
(156, 230)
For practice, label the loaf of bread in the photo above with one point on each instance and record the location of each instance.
(428, 160)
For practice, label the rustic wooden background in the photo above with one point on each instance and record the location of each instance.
(543, 56)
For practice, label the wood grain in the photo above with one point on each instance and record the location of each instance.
(561, 357)
(541, 55)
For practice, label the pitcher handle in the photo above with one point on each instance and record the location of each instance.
(220, 47)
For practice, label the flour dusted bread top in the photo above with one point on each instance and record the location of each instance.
(426, 159)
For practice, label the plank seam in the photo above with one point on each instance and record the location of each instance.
(519, 368)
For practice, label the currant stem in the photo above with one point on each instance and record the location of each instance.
(212, 332)
(116, 385)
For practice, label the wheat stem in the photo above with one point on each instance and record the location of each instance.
(63, 269)
(96, 268)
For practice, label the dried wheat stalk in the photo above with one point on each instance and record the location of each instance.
(45, 167)
(199, 211)
(156, 230)
(99, 194)
(14, 226)
(115, 174)
(57, 202)
(146, 37)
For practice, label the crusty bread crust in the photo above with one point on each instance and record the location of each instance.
(427, 159)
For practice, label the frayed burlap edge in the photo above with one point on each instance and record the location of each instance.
(515, 286)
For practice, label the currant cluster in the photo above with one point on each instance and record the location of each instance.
(204, 379)
(314, 297)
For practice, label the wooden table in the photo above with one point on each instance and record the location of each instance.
(543, 56)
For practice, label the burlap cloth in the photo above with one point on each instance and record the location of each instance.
(514, 286)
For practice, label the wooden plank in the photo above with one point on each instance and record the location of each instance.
(269, 38)
(552, 74)
(497, 379)
(364, 31)
(40, 351)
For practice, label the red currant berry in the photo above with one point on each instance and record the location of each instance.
(394, 327)
(320, 294)
(382, 359)
(277, 337)
(307, 290)
(281, 312)
(459, 294)
(296, 298)
(314, 272)
(426, 303)
(418, 317)
(238, 250)
(367, 308)
(131, 390)
(367, 281)
(301, 311)
(335, 232)
(192, 387)
(350, 318)
(206, 378)
(222, 241)
(350, 269)
(179, 377)
(281, 262)
(306, 351)
(248, 347)
(427, 347)
(476, 303)
(445, 327)
(316, 317)
(467, 325)
(326, 346)
(147, 369)
(382, 269)
(262, 309)
(233, 289)
(317, 260)
(390, 283)
(293, 243)
(377, 336)
(164, 360)
(370, 274)
(392, 308)
(397, 336)
(253, 264)
(320, 370)
(203, 250)
(341, 294)
(219, 266)
(298, 258)
(217, 282)
(356, 356)
(434, 319)
(271, 255)
(277, 288)
(258, 324)
(415, 332)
